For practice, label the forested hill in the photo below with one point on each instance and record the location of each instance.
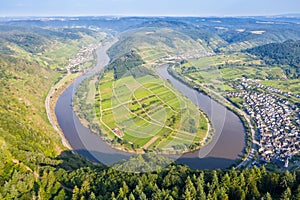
(29, 146)
(35, 165)
(129, 64)
(287, 53)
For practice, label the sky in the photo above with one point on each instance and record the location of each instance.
(148, 7)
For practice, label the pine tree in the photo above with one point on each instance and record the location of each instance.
(61, 195)
(138, 188)
(92, 196)
(221, 194)
(157, 193)
(297, 195)
(85, 188)
(200, 190)
(125, 188)
(225, 182)
(113, 196)
(287, 194)
(242, 182)
(75, 194)
(287, 180)
(131, 196)
(267, 196)
(190, 191)
(215, 181)
(121, 194)
(252, 190)
(143, 196)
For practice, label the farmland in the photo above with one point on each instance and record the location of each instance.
(217, 71)
(144, 113)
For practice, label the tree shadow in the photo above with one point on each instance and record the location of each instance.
(83, 158)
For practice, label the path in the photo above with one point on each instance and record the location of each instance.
(148, 144)
(50, 104)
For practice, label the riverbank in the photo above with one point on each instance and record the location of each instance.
(51, 100)
(84, 107)
(219, 153)
(59, 88)
(248, 128)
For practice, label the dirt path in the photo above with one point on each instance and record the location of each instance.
(150, 142)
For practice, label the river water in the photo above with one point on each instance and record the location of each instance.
(226, 146)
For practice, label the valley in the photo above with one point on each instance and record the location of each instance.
(149, 108)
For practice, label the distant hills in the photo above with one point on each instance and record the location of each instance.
(33, 162)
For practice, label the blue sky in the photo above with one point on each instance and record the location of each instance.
(147, 7)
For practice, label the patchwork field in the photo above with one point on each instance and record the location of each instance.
(145, 113)
(216, 72)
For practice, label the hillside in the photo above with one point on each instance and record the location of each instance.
(27, 139)
(49, 48)
(286, 53)
(161, 42)
(29, 144)
(35, 165)
(127, 65)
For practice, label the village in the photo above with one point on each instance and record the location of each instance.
(83, 56)
(276, 119)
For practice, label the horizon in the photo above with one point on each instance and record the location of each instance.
(143, 8)
(158, 16)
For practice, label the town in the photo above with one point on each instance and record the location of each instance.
(276, 119)
(85, 55)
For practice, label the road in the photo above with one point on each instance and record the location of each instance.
(50, 111)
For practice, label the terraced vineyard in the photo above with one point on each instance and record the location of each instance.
(144, 113)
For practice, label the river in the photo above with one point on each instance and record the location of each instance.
(226, 146)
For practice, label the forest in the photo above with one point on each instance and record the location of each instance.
(283, 54)
(35, 165)
(72, 177)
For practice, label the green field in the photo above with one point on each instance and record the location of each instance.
(216, 72)
(285, 85)
(146, 113)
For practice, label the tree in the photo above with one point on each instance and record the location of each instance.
(138, 188)
(61, 195)
(143, 196)
(252, 190)
(215, 181)
(297, 195)
(113, 196)
(190, 191)
(125, 187)
(287, 194)
(121, 194)
(267, 196)
(199, 187)
(287, 180)
(85, 188)
(225, 182)
(75, 195)
(237, 193)
(131, 196)
(242, 182)
(221, 194)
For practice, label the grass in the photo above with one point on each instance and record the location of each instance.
(217, 71)
(285, 85)
(147, 107)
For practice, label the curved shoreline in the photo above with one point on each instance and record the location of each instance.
(54, 94)
(219, 153)
(241, 114)
(50, 104)
(202, 143)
